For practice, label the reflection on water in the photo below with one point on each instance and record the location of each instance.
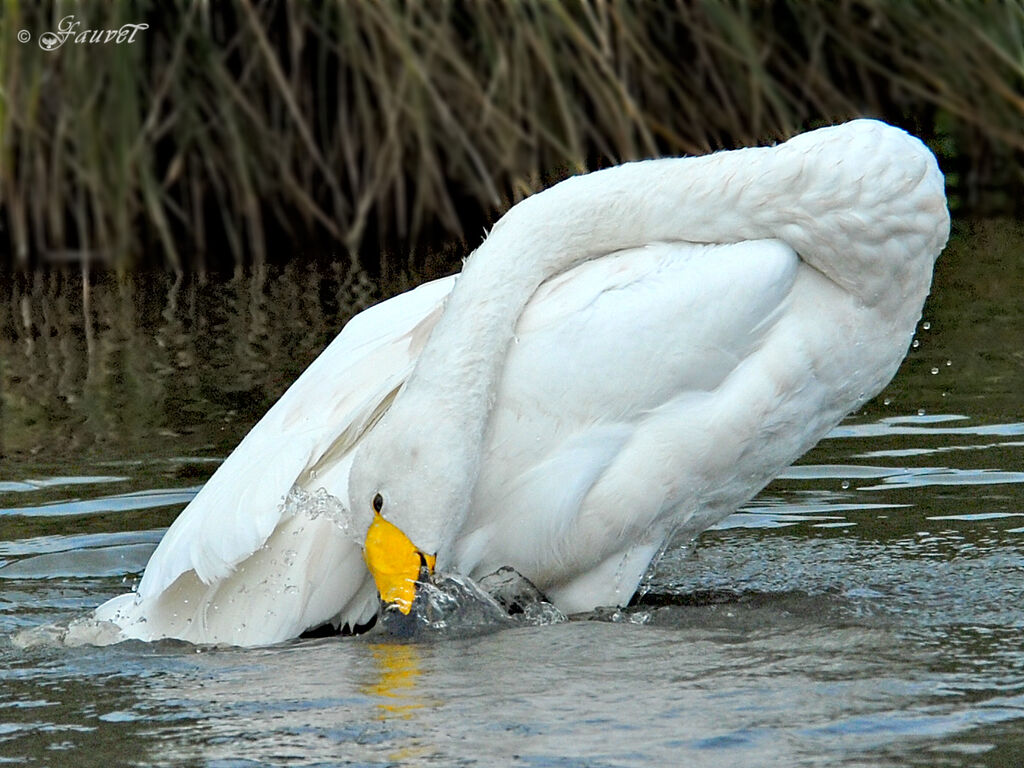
(152, 363)
(864, 610)
(398, 683)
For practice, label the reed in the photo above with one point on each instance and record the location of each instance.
(233, 134)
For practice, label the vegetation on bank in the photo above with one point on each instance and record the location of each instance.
(232, 134)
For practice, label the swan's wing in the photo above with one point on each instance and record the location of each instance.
(621, 335)
(602, 355)
(334, 399)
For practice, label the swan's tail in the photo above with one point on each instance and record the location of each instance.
(295, 581)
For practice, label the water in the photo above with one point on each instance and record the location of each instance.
(864, 610)
(452, 605)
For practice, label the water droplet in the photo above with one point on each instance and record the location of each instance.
(291, 589)
(920, 411)
(926, 325)
(887, 401)
(915, 343)
(845, 484)
(934, 371)
(949, 362)
(320, 503)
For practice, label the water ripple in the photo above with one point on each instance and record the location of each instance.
(916, 425)
(56, 482)
(158, 497)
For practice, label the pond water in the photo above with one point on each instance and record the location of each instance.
(864, 610)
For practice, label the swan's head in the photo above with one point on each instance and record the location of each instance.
(415, 493)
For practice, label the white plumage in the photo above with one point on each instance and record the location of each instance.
(630, 353)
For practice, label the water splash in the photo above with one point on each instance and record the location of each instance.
(83, 630)
(321, 503)
(452, 605)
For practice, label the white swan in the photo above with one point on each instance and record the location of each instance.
(629, 353)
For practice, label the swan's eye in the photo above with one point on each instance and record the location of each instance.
(378, 503)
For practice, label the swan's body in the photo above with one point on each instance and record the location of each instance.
(630, 353)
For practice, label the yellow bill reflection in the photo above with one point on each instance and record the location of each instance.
(400, 694)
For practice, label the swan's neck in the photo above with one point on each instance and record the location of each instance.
(863, 203)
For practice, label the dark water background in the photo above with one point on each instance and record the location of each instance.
(866, 609)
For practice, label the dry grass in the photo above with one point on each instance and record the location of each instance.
(231, 134)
